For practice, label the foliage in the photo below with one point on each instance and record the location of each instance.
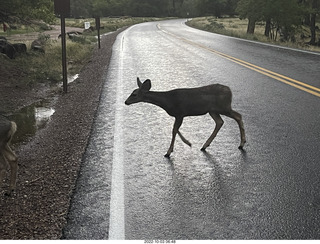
(27, 10)
(282, 16)
(217, 7)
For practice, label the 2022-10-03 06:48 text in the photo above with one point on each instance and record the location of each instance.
(159, 241)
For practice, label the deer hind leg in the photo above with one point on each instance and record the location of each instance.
(175, 130)
(237, 117)
(219, 122)
(184, 139)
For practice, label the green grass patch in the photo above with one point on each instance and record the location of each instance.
(236, 27)
(36, 67)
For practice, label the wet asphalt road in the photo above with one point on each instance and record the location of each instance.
(128, 190)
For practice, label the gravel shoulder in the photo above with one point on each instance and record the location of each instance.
(49, 164)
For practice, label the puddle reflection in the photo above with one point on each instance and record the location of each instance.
(30, 119)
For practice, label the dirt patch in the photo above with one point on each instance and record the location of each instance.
(54, 34)
(50, 162)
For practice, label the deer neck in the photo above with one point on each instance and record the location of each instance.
(161, 99)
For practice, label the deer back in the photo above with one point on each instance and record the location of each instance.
(199, 101)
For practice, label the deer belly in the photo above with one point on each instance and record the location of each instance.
(193, 109)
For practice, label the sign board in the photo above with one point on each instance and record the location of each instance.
(86, 25)
(62, 7)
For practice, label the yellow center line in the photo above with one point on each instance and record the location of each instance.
(284, 79)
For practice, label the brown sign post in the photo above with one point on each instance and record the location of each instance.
(62, 8)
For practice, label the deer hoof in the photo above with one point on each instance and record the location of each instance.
(8, 193)
(167, 155)
(241, 148)
(203, 149)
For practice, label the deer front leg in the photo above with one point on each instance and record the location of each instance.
(3, 167)
(219, 122)
(13, 176)
(2, 173)
(176, 126)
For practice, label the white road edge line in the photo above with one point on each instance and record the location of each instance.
(116, 221)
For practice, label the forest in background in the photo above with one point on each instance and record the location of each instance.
(283, 17)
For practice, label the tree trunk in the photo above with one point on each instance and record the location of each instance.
(267, 30)
(313, 16)
(174, 7)
(251, 26)
(313, 28)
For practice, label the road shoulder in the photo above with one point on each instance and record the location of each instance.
(49, 164)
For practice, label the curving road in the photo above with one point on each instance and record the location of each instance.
(128, 190)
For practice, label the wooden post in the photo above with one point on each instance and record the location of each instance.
(98, 29)
(62, 7)
(64, 53)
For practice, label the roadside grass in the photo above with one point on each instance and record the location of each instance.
(236, 27)
(109, 24)
(35, 67)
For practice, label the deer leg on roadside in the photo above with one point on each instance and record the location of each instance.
(12, 159)
(237, 117)
(3, 168)
(175, 130)
(219, 122)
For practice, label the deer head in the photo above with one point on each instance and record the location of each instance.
(138, 94)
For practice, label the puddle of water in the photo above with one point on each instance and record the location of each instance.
(72, 78)
(30, 119)
(34, 117)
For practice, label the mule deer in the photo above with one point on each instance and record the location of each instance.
(213, 99)
(7, 156)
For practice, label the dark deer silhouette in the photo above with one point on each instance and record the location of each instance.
(213, 99)
(7, 156)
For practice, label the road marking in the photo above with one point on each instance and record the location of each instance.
(284, 79)
(117, 221)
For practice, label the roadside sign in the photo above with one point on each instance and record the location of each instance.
(62, 7)
(86, 25)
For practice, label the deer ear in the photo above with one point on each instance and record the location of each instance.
(139, 82)
(146, 86)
